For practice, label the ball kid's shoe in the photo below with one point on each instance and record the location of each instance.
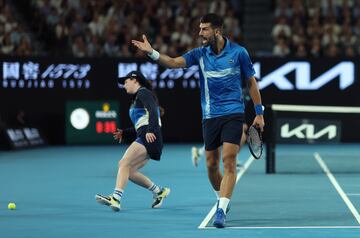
(110, 201)
(159, 198)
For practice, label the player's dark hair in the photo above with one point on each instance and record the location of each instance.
(215, 20)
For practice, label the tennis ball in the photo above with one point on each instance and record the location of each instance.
(11, 206)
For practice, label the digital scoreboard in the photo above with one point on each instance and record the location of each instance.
(91, 122)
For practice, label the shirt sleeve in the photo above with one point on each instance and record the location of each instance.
(246, 65)
(148, 100)
(192, 57)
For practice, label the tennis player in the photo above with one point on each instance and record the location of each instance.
(198, 152)
(222, 64)
(145, 115)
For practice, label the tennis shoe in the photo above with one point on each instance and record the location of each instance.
(219, 218)
(195, 156)
(159, 198)
(110, 201)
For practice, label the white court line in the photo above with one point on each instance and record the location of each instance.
(337, 187)
(212, 211)
(353, 194)
(287, 227)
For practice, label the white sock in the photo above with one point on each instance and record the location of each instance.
(154, 188)
(118, 192)
(223, 203)
(217, 193)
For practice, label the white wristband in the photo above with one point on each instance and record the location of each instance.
(154, 55)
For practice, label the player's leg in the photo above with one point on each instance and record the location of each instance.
(139, 178)
(242, 142)
(135, 154)
(159, 193)
(154, 151)
(227, 183)
(213, 168)
(231, 132)
(229, 178)
(212, 141)
(243, 136)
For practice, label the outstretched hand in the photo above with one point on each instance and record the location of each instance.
(143, 46)
(118, 134)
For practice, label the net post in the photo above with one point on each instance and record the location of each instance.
(271, 141)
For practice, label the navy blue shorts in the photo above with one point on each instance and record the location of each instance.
(222, 129)
(153, 149)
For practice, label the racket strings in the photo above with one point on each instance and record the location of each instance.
(255, 141)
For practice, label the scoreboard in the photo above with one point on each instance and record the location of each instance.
(91, 122)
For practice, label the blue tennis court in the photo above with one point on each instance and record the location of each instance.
(316, 193)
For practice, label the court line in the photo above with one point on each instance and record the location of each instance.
(353, 194)
(212, 211)
(287, 227)
(337, 186)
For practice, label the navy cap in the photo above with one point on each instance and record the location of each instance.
(133, 74)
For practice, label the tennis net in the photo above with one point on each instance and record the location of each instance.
(296, 132)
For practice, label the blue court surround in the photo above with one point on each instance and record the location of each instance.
(54, 190)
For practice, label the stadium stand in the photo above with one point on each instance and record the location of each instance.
(316, 28)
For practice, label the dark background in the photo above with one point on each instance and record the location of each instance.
(45, 108)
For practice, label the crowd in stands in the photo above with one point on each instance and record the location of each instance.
(14, 40)
(106, 27)
(315, 28)
(89, 28)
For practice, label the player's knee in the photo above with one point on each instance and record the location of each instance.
(123, 163)
(229, 162)
(230, 168)
(212, 164)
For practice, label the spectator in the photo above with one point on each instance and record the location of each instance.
(332, 50)
(24, 48)
(7, 47)
(281, 48)
(301, 51)
(111, 48)
(78, 48)
(315, 49)
(281, 29)
(317, 22)
(349, 52)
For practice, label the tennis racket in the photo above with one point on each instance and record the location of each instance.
(254, 140)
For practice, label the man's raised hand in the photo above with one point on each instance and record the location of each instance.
(143, 46)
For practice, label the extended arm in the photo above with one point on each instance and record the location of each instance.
(165, 60)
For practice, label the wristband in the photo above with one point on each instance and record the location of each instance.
(154, 55)
(259, 109)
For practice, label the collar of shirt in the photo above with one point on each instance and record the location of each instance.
(225, 50)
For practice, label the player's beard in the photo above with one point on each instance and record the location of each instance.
(210, 41)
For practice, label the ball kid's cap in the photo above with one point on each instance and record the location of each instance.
(133, 74)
